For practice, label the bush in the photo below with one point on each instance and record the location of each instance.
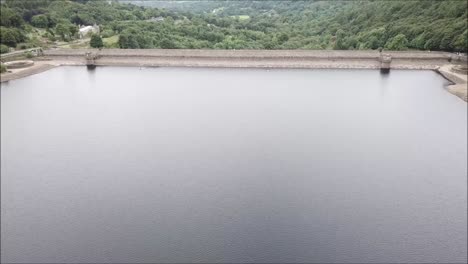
(3, 68)
(399, 42)
(11, 36)
(40, 21)
(107, 33)
(29, 55)
(50, 36)
(23, 46)
(96, 42)
(35, 42)
(4, 49)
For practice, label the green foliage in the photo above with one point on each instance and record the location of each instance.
(461, 42)
(166, 43)
(399, 42)
(111, 42)
(73, 29)
(96, 41)
(395, 25)
(340, 41)
(49, 35)
(11, 36)
(229, 24)
(3, 68)
(4, 49)
(283, 37)
(10, 18)
(23, 46)
(65, 30)
(107, 33)
(40, 21)
(62, 30)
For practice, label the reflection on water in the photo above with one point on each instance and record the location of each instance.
(383, 85)
(232, 165)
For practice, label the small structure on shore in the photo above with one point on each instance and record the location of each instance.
(385, 61)
(85, 30)
(91, 59)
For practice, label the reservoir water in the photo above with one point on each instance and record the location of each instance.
(232, 165)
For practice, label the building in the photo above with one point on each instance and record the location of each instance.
(156, 19)
(85, 30)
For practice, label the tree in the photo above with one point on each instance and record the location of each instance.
(167, 44)
(7, 37)
(62, 30)
(52, 21)
(446, 43)
(123, 41)
(431, 44)
(399, 42)
(73, 29)
(283, 37)
(40, 21)
(9, 18)
(340, 41)
(372, 43)
(4, 49)
(11, 36)
(270, 24)
(96, 41)
(419, 41)
(460, 43)
(133, 43)
(82, 19)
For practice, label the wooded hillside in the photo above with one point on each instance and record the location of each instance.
(393, 25)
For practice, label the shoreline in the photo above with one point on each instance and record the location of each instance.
(459, 81)
(25, 72)
(440, 62)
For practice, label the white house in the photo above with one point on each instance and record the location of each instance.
(156, 19)
(85, 30)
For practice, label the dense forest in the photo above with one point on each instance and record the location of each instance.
(392, 25)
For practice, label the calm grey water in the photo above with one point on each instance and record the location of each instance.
(232, 165)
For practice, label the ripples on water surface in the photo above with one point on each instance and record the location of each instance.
(232, 165)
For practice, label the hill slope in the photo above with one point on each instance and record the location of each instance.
(393, 25)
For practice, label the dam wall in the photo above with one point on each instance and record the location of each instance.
(254, 58)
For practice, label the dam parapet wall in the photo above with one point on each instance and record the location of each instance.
(251, 54)
(255, 58)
